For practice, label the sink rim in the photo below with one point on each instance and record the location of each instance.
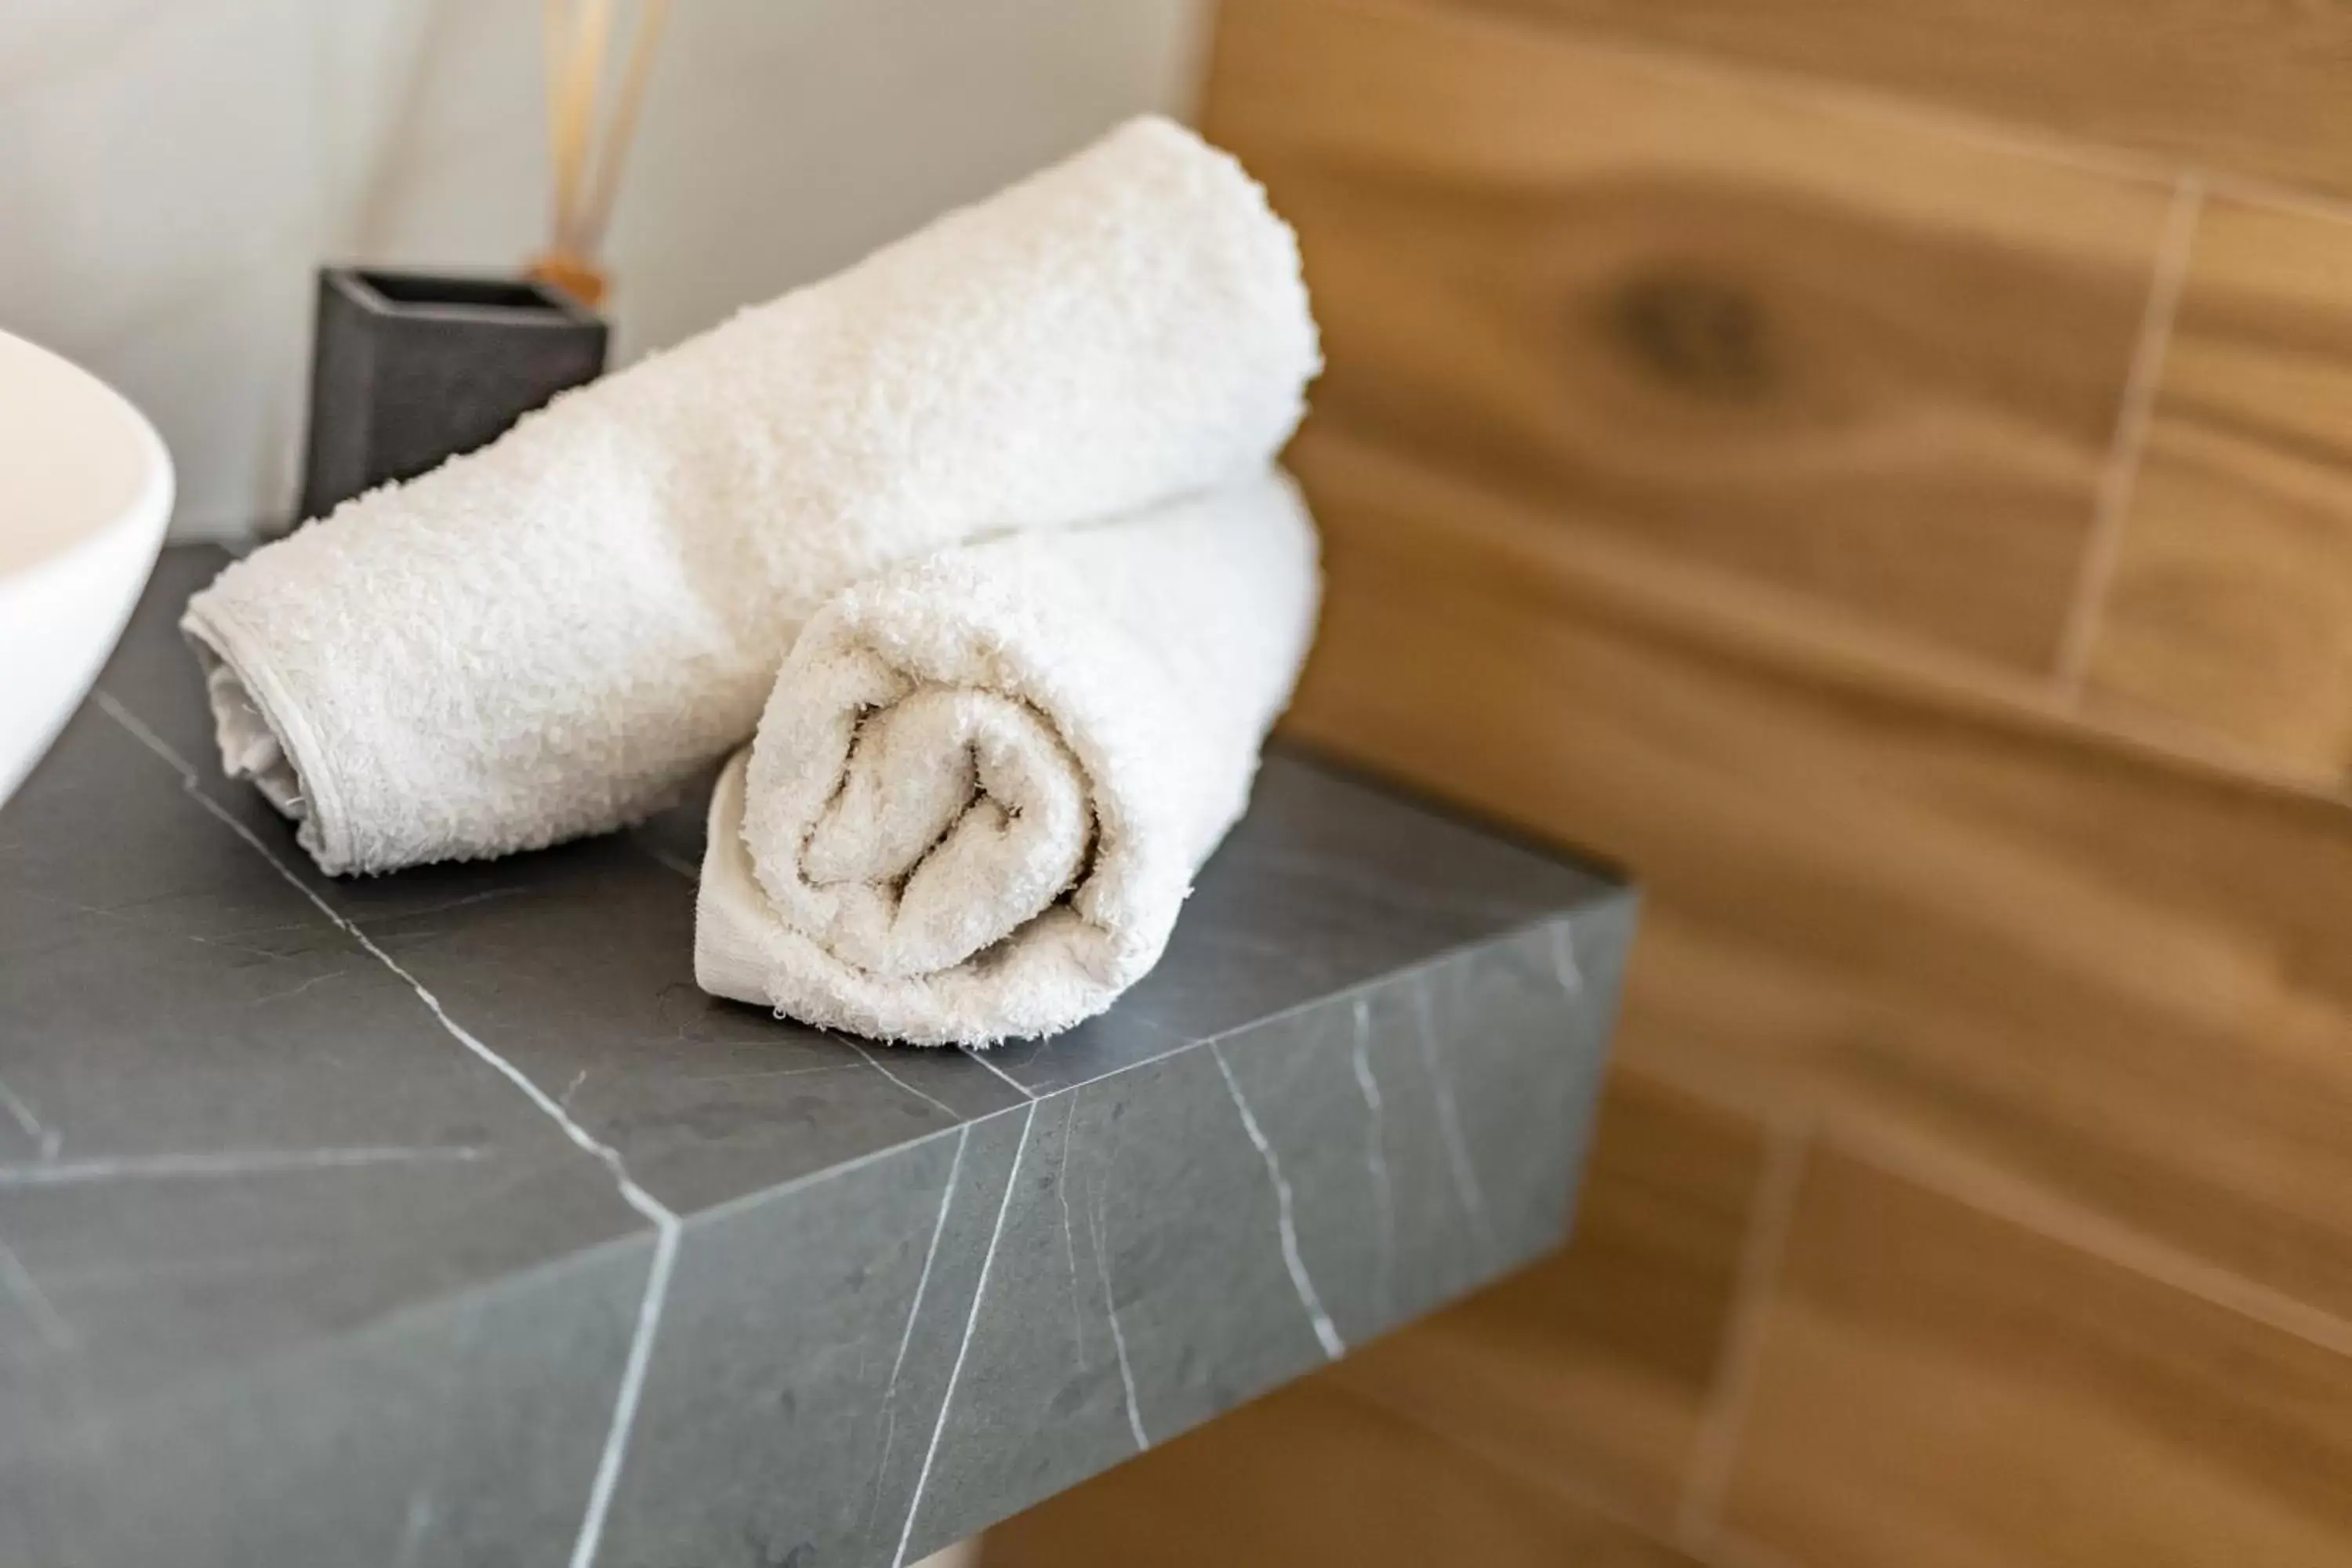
(79, 464)
(86, 491)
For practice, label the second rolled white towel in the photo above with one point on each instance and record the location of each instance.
(982, 783)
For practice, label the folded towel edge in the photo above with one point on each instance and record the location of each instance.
(220, 641)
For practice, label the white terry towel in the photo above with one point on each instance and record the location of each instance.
(546, 637)
(984, 782)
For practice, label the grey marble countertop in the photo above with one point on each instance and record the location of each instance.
(438, 1218)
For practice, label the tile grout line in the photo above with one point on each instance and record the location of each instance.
(1720, 70)
(2095, 1236)
(2180, 741)
(2270, 190)
(2103, 553)
(1503, 1456)
(963, 1346)
(1714, 1451)
(1726, 1548)
(665, 1223)
(2008, 1199)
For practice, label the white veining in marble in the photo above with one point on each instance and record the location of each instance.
(665, 1223)
(416, 1520)
(55, 1331)
(293, 991)
(1326, 1333)
(176, 168)
(1376, 1158)
(980, 1055)
(46, 1139)
(662, 857)
(963, 1346)
(1117, 1335)
(914, 1311)
(1070, 1247)
(1464, 1175)
(876, 1063)
(1564, 966)
(214, 1162)
(769, 1398)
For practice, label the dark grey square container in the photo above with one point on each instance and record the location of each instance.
(409, 368)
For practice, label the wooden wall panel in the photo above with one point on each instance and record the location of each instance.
(2230, 609)
(1938, 1388)
(2248, 85)
(1875, 891)
(1597, 1364)
(1874, 366)
(1313, 1475)
(1833, 512)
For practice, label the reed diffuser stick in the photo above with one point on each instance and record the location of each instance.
(576, 38)
(582, 70)
(624, 126)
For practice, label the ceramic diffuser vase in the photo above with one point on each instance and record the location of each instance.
(409, 369)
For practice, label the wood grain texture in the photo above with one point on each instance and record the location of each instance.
(1881, 890)
(2249, 85)
(2230, 610)
(1313, 1475)
(1707, 464)
(1870, 365)
(1942, 1389)
(1594, 1366)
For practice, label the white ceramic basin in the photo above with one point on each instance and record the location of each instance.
(85, 489)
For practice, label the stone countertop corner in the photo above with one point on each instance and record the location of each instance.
(439, 1219)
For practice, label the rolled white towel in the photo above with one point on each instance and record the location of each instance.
(546, 637)
(983, 783)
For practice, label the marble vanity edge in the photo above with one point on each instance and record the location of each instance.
(554, 1271)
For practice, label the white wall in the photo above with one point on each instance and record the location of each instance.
(171, 171)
